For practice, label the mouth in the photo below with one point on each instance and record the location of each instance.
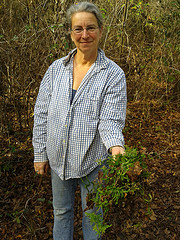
(86, 42)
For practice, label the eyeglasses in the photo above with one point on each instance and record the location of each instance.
(80, 30)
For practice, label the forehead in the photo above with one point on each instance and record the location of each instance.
(83, 19)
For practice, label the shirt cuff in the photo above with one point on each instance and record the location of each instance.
(114, 142)
(40, 157)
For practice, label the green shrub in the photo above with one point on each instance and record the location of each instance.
(118, 179)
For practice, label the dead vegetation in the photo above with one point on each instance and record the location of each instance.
(143, 38)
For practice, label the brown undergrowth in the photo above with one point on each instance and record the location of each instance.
(26, 202)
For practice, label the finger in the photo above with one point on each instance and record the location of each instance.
(41, 168)
(46, 168)
(41, 171)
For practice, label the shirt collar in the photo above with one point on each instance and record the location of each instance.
(68, 58)
(100, 63)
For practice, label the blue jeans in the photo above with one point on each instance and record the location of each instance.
(63, 204)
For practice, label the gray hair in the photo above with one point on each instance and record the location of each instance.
(85, 7)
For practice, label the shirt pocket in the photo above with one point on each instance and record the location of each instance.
(90, 108)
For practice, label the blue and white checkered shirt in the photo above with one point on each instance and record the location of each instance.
(73, 137)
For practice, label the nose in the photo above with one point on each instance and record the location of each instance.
(85, 33)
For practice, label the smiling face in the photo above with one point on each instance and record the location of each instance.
(86, 41)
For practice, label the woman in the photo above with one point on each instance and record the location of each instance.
(78, 119)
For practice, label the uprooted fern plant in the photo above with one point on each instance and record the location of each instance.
(118, 178)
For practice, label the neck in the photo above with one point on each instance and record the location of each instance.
(85, 58)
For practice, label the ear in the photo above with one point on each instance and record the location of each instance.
(101, 30)
(72, 37)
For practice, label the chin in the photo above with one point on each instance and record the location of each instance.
(88, 48)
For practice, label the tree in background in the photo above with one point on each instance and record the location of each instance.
(140, 36)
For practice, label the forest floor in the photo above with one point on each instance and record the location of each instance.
(26, 201)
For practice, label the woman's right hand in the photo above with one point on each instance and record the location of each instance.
(41, 167)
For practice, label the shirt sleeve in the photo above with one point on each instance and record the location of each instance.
(113, 111)
(40, 119)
